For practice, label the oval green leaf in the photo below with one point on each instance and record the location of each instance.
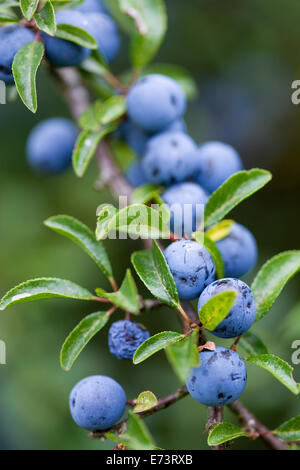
(145, 401)
(45, 19)
(184, 356)
(272, 278)
(235, 189)
(82, 236)
(80, 336)
(28, 8)
(289, 430)
(25, 65)
(280, 369)
(127, 296)
(224, 432)
(76, 35)
(154, 344)
(252, 344)
(44, 288)
(216, 309)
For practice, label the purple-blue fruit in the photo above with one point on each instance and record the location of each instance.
(105, 31)
(220, 379)
(62, 53)
(135, 174)
(125, 337)
(238, 250)
(89, 6)
(186, 202)
(168, 158)
(50, 145)
(242, 314)
(214, 163)
(191, 266)
(12, 38)
(97, 402)
(155, 101)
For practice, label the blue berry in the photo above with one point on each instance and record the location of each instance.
(62, 53)
(97, 402)
(191, 266)
(215, 162)
(12, 38)
(155, 101)
(89, 6)
(238, 250)
(168, 158)
(125, 337)
(186, 202)
(135, 174)
(50, 145)
(242, 314)
(220, 379)
(104, 30)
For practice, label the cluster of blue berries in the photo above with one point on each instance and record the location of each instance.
(91, 16)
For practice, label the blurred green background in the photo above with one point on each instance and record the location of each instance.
(244, 56)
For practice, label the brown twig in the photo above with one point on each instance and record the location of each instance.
(255, 428)
(215, 416)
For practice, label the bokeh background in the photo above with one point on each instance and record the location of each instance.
(244, 56)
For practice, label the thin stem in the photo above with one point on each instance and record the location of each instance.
(186, 318)
(255, 428)
(215, 417)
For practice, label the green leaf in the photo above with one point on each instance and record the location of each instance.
(224, 432)
(179, 74)
(214, 251)
(272, 278)
(155, 273)
(220, 230)
(252, 344)
(235, 189)
(82, 236)
(85, 148)
(216, 309)
(127, 297)
(154, 344)
(136, 220)
(112, 109)
(289, 430)
(44, 288)
(76, 35)
(25, 65)
(80, 336)
(8, 19)
(145, 401)
(280, 369)
(137, 436)
(45, 19)
(146, 22)
(91, 118)
(184, 356)
(145, 193)
(28, 8)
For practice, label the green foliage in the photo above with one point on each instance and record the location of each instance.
(145, 401)
(224, 432)
(272, 278)
(252, 344)
(184, 356)
(216, 309)
(44, 288)
(221, 230)
(290, 430)
(80, 336)
(145, 193)
(154, 344)
(136, 220)
(45, 19)
(280, 369)
(137, 436)
(235, 189)
(25, 66)
(126, 298)
(214, 251)
(76, 35)
(112, 109)
(82, 236)
(28, 8)
(155, 273)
